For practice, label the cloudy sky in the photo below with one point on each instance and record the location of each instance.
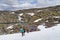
(26, 4)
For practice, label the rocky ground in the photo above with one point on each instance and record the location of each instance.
(12, 21)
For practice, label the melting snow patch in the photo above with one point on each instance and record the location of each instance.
(56, 16)
(38, 20)
(19, 18)
(46, 21)
(31, 14)
(16, 24)
(21, 14)
(10, 27)
(39, 10)
(13, 12)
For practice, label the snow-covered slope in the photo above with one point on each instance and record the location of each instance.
(45, 34)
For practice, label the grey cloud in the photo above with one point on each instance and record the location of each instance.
(15, 5)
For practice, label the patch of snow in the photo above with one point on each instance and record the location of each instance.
(12, 12)
(31, 14)
(38, 20)
(16, 24)
(20, 14)
(19, 18)
(10, 27)
(39, 10)
(46, 21)
(56, 16)
(41, 27)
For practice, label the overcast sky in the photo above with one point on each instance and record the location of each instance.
(26, 4)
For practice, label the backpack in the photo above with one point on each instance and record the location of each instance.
(22, 30)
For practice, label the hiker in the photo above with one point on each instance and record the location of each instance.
(27, 29)
(22, 30)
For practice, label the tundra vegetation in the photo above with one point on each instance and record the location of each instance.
(12, 21)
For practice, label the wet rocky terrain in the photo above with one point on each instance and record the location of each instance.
(29, 19)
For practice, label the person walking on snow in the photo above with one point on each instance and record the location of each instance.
(22, 30)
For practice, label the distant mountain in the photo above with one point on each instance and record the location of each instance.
(32, 9)
(20, 9)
